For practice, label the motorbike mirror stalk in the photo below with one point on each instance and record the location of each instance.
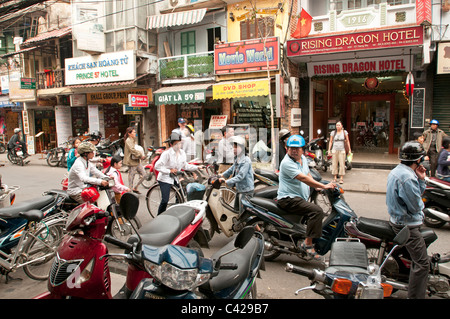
(241, 240)
(399, 240)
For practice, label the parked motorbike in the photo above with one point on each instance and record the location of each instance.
(80, 268)
(378, 237)
(436, 198)
(153, 155)
(181, 273)
(284, 232)
(15, 155)
(58, 156)
(349, 275)
(317, 146)
(7, 196)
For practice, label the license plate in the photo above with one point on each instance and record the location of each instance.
(19, 153)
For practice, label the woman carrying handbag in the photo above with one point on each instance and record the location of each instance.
(132, 158)
(339, 146)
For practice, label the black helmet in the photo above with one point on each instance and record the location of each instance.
(96, 135)
(411, 151)
(283, 134)
(174, 137)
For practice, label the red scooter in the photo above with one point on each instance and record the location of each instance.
(80, 268)
(154, 153)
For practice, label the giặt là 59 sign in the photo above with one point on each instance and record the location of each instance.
(107, 67)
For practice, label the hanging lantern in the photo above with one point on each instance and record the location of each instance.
(409, 84)
(371, 83)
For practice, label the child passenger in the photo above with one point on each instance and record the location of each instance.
(113, 171)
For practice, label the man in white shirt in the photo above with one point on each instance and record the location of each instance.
(83, 172)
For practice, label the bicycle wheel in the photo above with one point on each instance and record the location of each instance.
(149, 179)
(40, 249)
(153, 199)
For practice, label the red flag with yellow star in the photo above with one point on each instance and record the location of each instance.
(303, 25)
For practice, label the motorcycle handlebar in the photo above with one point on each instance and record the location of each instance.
(309, 273)
(117, 242)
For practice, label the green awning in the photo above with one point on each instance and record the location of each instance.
(180, 94)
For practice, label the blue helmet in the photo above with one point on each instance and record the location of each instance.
(434, 122)
(295, 141)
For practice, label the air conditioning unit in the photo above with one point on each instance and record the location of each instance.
(175, 3)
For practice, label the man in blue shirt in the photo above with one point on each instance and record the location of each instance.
(405, 185)
(293, 191)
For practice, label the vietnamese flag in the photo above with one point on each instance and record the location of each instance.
(303, 25)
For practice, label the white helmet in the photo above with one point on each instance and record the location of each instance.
(237, 140)
(17, 130)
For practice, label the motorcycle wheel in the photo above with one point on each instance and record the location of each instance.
(127, 228)
(149, 179)
(430, 221)
(53, 159)
(2, 148)
(44, 245)
(267, 230)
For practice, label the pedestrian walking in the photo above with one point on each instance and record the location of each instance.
(339, 146)
(432, 144)
(132, 158)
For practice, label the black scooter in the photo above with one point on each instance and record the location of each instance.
(437, 199)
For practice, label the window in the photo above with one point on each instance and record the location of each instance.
(187, 42)
(263, 28)
(341, 5)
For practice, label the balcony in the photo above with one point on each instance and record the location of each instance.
(195, 67)
(50, 79)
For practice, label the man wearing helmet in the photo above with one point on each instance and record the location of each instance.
(432, 143)
(83, 172)
(405, 185)
(16, 140)
(293, 191)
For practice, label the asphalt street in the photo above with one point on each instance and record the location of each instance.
(37, 177)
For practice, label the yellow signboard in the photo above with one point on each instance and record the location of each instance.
(241, 89)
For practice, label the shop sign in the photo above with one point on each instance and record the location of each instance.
(135, 100)
(115, 97)
(4, 84)
(218, 121)
(375, 65)
(28, 83)
(423, 12)
(240, 89)
(78, 100)
(180, 97)
(443, 58)
(247, 56)
(102, 68)
(380, 39)
(130, 110)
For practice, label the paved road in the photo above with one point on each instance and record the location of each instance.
(275, 282)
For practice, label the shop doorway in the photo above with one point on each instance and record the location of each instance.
(371, 121)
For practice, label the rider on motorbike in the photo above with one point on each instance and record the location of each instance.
(83, 172)
(293, 192)
(405, 185)
(16, 140)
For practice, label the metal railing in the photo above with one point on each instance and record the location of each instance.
(50, 79)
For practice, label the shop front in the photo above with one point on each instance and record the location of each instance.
(359, 79)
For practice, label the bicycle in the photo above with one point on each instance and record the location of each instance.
(38, 241)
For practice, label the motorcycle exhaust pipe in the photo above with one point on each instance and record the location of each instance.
(397, 285)
(437, 214)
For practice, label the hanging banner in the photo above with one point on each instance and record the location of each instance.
(240, 89)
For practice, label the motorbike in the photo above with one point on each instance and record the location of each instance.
(58, 156)
(181, 273)
(153, 155)
(7, 196)
(378, 237)
(284, 232)
(436, 198)
(315, 150)
(15, 155)
(349, 275)
(80, 268)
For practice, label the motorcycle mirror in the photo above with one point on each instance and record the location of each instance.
(129, 204)
(319, 131)
(244, 237)
(402, 236)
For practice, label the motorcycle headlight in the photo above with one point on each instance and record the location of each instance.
(176, 278)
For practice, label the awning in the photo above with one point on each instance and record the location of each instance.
(47, 36)
(175, 19)
(180, 94)
(228, 90)
(17, 52)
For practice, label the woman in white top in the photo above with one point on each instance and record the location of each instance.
(338, 140)
(171, 161)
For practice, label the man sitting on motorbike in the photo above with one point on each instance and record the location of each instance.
(83, 172)
(405, 185)
(293, 191)
(15, 140)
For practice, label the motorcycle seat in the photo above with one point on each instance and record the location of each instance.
(64, 194)
(15, 210)
(440, 181)
(269, 174)
(383, 230)
(164, 228)
(269, 204)
(269, 192)
(243, 258)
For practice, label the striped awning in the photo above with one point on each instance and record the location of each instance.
(175, 19)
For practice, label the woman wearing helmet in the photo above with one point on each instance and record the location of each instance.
(170, 162)
(241, 172)
(405, 185)
(132, 158)
(83, 172)
(432, 143)
(293, 191)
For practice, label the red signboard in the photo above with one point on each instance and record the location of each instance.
(246, 56)
(423, 12)
(379, 39)
(137, 100)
